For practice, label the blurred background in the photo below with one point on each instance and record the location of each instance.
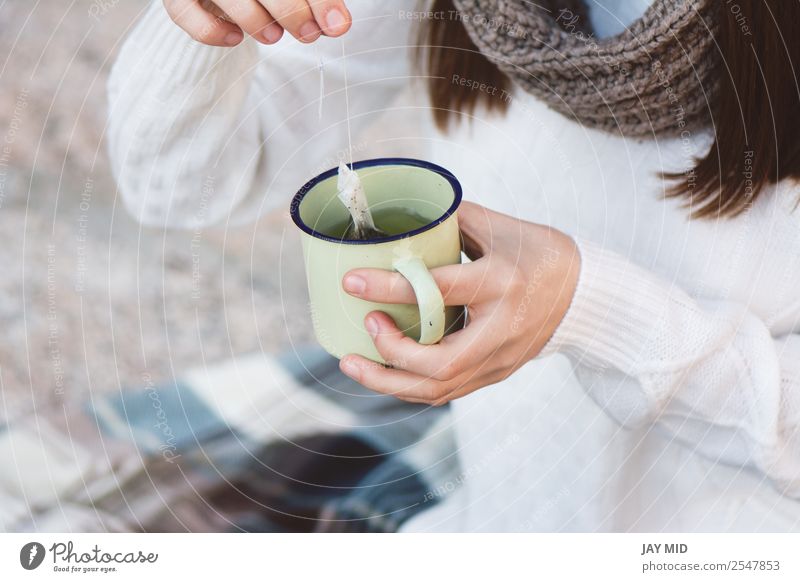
(91, 302)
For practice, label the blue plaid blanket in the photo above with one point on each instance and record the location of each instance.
(260, 443)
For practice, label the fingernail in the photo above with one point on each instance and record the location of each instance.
(335, 20)
(309, 31)
(354, 284)
(233, 38)
(349, 367)
(372, 326)
(273, 33)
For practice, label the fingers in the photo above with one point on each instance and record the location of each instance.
(332, 16)
(296, 17)
(405, 385)
(251, 18)
(201, 25)
(224, 22)
(398, 383)
(444, 361)
(459, 284)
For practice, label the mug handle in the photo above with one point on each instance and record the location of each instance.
(429, 298)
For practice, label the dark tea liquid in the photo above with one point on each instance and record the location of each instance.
(391, 220)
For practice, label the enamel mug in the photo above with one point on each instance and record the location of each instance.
(427, 190)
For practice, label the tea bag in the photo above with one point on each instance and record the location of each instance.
(351, 193)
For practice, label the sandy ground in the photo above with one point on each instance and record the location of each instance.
(90, 301)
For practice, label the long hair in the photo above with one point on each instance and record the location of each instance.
(755, 111)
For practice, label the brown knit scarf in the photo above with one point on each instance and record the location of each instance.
(655, 78)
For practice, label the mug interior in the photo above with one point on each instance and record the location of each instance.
(429, 191)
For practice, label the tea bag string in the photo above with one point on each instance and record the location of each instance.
(347, 104)
(321, 69)
(351, 192)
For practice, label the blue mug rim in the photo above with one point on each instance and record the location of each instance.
(297, 199)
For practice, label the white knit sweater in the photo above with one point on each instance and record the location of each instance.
(685, 333)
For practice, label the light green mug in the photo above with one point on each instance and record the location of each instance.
(427, 190)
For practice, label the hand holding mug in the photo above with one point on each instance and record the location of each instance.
(517, 289)
(225, 22)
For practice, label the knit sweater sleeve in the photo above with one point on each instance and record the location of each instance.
(708, 372)
(201, 135)
(171, 101)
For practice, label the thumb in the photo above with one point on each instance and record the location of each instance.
(476, 225)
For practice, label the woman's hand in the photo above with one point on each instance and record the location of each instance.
(516, 289)
(225, 22)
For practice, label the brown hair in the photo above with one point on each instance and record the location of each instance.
(446, 50)
(755, 110)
